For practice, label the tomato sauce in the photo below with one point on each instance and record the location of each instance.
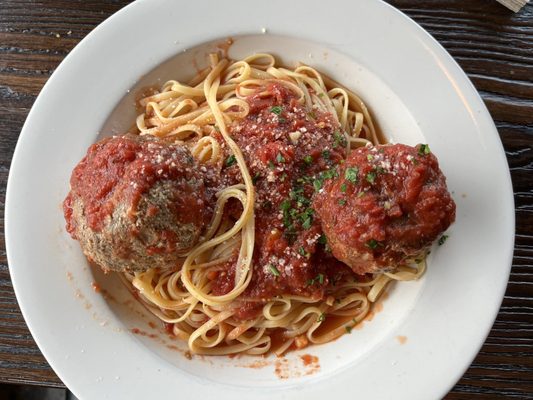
(290, 151)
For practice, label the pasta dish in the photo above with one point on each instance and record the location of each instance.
(256, 208)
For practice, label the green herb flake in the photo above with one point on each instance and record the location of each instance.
(230, 160)
(343, 188)
(273, 270)
(371, 177)
(285, 205)
(320, 278)
(271, 165)
(326, 154)
(338, 139)
(303, 252)
(361, 194)
(280, 158)
(423, 149)
(342, 202)
(351, 174)
(348, 328)
(308, 160)
(442, 239)
(321, 317)
(307, 223)
(329, 174)
(323, 239)
(317, 185)
(256, 178)
(369, 157)
(276, 110)
(372, 243)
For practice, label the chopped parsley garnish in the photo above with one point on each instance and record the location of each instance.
(327, 174)
(360, 194)
(342, 202)
(323, 239)
(321, 94)
(372, 243)
(319, 278)
(276, 110)
(424, 149)
(308, 160)
(273, 270)
(303, 252)
(348, 328)
(326, 154)
(298, 195)
(231, 160)
(271, 165)
(321, 317)
(351, 174)
(307, 222)
(296, 212)
(369, 157)
(304, 179)
(343, 188)
(280, 158)
(255, 178)
(442, 239)
(371, 177)
(339, 139)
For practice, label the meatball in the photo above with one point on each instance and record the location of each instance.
(387, 204)
(136, 203)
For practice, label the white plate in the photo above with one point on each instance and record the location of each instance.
(417, 93)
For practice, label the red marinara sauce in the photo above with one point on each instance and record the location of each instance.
(290, 151)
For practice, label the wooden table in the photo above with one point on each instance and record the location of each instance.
(494, 47)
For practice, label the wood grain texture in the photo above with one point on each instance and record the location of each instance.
(493, 45)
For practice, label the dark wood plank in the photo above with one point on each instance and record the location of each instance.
(493, 45)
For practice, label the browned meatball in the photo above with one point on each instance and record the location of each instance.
(388, 203)
(136, 203)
